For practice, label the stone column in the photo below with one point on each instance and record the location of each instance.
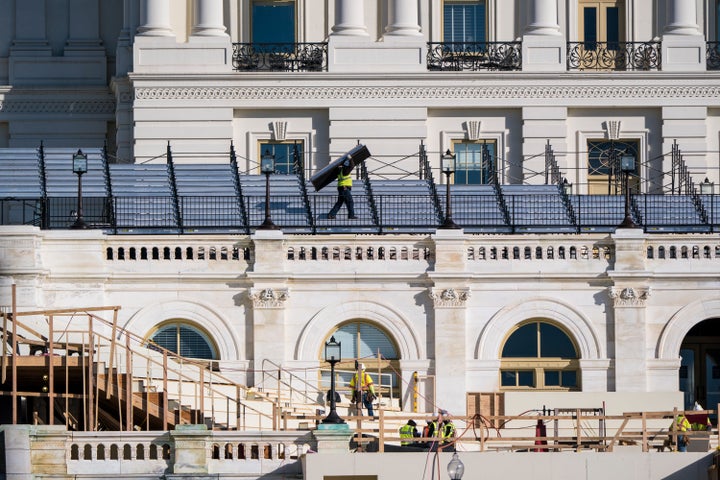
(84, 28)
(349, 18)
(155, 19)
(30, 27)
(208, 21)
(543, 46)
(683, 45)
(191, 451)
(403, 19)
(629, 295)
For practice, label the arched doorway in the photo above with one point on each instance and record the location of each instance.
(700, 365)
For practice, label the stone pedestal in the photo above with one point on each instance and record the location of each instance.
(190, 451)
(333, 437)
(683, 53)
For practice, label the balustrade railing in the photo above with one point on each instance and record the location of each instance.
(474, 56)
(620, 56)
(280, 57)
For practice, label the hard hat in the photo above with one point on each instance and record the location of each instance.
(362, 366)
(412, 422)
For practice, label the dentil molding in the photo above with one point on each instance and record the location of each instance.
(60, 106)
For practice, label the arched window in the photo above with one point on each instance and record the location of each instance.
(185, 339)
(539, 355)
(371, 346)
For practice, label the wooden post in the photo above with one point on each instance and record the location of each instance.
(91, 370)
(128, 386)
(14, 355)
(578, 429)
(109, 376)
(51, 372)
(4, 347)
(165, 390)
(381, 433)
(415, 392)
(202, 395)
(644, 433)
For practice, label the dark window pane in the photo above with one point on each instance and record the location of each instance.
(569, 378)
(522, 343)
(193, 344)
(166, 337)
(613, 28)
(590, 28)
(273, 22)
(507, 379)
(526, 379)
(552, 378)
(555, 343)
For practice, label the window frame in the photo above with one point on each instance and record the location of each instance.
(251, 13)
(262, 143)
(178, 323)
(482, 170)
(486, 24)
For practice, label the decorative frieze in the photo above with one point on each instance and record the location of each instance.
(268, 298)
(629, 297)
(61, 106)
(450, 297)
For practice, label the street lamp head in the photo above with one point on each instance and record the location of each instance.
(448, 163)
(707, 187)
(79, 162)
(333, 350)
(567, 187)
(455, 468)
(267, 162)
(627, 163)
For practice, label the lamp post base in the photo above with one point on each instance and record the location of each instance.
(628, 223)
(268, 225)
(449, 224)
(79, 224)
(333, 417)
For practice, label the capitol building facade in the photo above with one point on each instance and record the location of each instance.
(580, 266)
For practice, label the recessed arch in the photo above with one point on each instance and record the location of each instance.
(681, 322)
(493, 336)
(323, 322)
(218, 327)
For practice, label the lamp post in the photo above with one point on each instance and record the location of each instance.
(332, 356)
(79, 167)
(707, 187)
(455, 468)
(267, 166)
(447, 165)
(627, 165)
(567, 187)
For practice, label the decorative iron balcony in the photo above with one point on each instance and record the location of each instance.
(474, 56)
(713, 55)
(280, 57)
(621, 56)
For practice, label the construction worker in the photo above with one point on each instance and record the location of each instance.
(367, 390)
(681, 425)
(344, 186)
(447, 433)
(407, 431)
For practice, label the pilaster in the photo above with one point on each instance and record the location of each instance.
(540, 125)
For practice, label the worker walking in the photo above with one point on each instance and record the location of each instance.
(408, 431)
(344, 186)
(363, 391)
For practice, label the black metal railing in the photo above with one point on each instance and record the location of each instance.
(474, 56)
(712, 55)
(280, 57)
(621, 56)
(377, 213)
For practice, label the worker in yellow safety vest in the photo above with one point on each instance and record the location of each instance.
(681, 426)
(365, 388)
(408, 431)
(344, 186)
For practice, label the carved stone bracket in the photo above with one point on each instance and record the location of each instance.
(449, 297)
(629, 297)
(268, 298)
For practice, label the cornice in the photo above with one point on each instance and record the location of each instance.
(367, 92)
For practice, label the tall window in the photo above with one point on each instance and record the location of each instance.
(601, 21)
(185, 340)
(273, 21)
(474, 162)
(464, 21)
(539, 355)
(286, 154)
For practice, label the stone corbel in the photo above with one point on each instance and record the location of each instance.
(629, 297)
(450, 297)
(268, 298)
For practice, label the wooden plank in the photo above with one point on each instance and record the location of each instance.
(66, 311)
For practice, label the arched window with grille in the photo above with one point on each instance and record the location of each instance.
(185, 339)
(539, 355)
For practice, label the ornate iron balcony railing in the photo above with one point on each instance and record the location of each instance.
(280, 57)
(474, 56)
(613, 56)
(713, 55)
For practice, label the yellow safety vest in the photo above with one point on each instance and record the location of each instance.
(406, 431)
(344, 180)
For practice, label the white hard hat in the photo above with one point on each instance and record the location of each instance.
(362, 366)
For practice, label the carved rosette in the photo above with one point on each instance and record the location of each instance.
(629, 297)
(449, 297)
(268, 298)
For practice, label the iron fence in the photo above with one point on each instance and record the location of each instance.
(280, 57)
(474, 56)
(376, 213)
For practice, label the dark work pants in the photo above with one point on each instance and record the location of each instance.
(344, 196)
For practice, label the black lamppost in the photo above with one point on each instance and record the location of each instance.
(332, 356)
(447, 165)
(79, 167)
(267, 166)
(627, 165)
(456, 468)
